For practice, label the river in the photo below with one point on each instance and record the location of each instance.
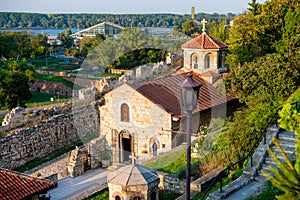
(54, 32)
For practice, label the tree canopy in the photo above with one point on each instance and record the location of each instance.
(14, 80)
(264, 66)
(35, 20)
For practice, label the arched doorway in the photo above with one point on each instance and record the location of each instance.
(126, 145)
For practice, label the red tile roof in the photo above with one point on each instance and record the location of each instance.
(166, 93)
(204, 41)
(16, 186)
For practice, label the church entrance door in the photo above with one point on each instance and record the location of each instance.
(126, 145)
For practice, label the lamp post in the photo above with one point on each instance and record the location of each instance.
(189, 90)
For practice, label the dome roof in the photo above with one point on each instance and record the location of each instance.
(204, 41)
(133, 175)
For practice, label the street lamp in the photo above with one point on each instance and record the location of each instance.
(189, 90)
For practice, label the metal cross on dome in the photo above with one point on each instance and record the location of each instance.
(203, 22)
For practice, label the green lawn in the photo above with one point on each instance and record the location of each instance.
(59, 79)
(103, 195)
(170, 163)
(41, 61)
(53, 64)
(41, 99)
(167, 195)
(163, 194)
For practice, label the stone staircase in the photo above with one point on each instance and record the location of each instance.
(252, 181)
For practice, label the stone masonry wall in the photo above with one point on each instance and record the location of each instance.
(171, 183)
(57, 166)
(26, 144)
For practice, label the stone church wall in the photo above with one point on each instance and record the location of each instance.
(201, 54)
(26, 144)
(146, 121)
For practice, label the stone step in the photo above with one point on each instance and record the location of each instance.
(231, 188)
(288, 150)
(261, 178)
(280, 157)
(287, 141)
(269, 160)
(266, 166)
(287, 135)
(246, 191)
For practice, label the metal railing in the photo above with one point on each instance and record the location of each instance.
(222, 174)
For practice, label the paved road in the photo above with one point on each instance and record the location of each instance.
(71, 187)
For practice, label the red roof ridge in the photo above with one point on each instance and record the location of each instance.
(204, 41)
(211, 39)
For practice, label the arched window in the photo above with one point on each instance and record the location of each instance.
(207, 61)
(125, 113)
(195, 61)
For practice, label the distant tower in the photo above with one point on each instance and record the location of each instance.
(193, 12)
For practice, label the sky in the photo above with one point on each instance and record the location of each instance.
(125, 6)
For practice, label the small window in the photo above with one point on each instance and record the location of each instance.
(125, 113)
(195, 61)
(207, 61)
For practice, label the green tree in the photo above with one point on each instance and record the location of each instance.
(189, 27)
(38, 45)
(66, 39)
(219, 31)
(14, 79)
(287, 176)
(261, 76)
(88, 44)
(262, 86)
(255, 7)
(255, 35)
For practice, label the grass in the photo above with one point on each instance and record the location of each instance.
(40, 62)
(103, 195)
(163, 195)
(169, 163)
(53, 64)
(167, 195)
(41, 99)
(34, 163)
(59, 79)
